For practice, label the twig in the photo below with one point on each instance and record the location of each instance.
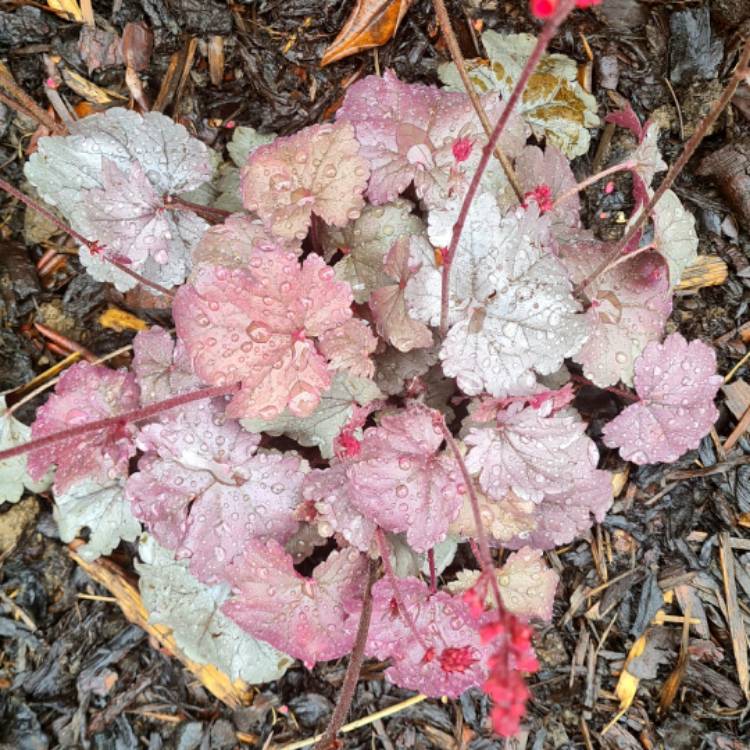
(359, 723)
(209, 212)
(690, 147)
(353, 669)
(120, 419)
(450, 39)
(623, 166)
(548, 32)
(25, 104)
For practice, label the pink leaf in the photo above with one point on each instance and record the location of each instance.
(316, 171)
(308, 618)
(203, 490)
(408, 133)
(234, 242)
(630, 305)
(270, 327)
(444, 657)
(85, 393)
(628, 119)
(161, 368)
(398, 481)
(388, 303)
(677, 383)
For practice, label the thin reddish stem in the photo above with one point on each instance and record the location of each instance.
(210, 213)
(433, 572)
(129, 417)
(548, 32)
(589, 181)
(690, 147)
(485, 556)
(353, 669)
(92, 246)
(385, 551)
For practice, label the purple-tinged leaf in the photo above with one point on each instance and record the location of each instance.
(676, 382)
(444, 657)
(308, 618)
(161, 368)
(86, 393)
(527, 585)
(388, 303)
(398, 481)
(421, 134)
(630, 305)
(316, 171)
(531, 452)
(108, 179)
(393, 369)
(270, 327)
(203, 490)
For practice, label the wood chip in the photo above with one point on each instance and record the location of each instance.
(706, 270)
(734, 616)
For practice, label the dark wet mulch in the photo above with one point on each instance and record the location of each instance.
(74, 673)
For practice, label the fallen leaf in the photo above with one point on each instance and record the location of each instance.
(371, 23)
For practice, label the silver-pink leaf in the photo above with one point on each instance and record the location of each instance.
(676, 382)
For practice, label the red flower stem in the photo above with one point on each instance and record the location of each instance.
(353, 669)
(63, 227)
(208, 212)
(129, 417)
(433, 574)
(485, 556)
(385, 556)
(548, 32)
(589, 181)
(690, 147)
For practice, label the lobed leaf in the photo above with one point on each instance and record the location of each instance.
(204, 491)
(630, 305)
(553, 103)
(109, 179)
(676, 382)
(527, 585)
(398, 480)
(279, 328)
(308, 618)
(316, 171)
(161, 368)
(407, 133)
(425, 659)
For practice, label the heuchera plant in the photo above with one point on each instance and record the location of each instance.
(413, 343)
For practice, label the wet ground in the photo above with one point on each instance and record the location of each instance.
(75, 673)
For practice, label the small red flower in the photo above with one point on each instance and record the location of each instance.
(347, 446)
(456, 659)
(546, 8)
(474, 601)
(542, 194)
(429, 655)
(461, 149)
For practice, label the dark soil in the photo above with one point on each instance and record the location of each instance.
(75, 673)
